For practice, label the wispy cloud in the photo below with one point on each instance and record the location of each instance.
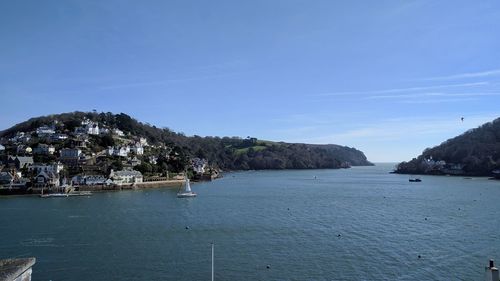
(429, 101)
(488, 73)
(138, 84)
(409, 89)
(223, 65)
(316, 119)
(432, 95)
(382, 139)
(403, 128)
(163, 82)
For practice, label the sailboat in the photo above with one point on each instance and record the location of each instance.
(187, 191)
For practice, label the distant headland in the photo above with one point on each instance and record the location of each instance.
(474, 153)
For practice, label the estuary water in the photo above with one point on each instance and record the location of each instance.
(351, 224)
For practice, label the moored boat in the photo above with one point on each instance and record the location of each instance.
(69, 194)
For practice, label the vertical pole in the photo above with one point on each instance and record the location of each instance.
(212, 261)
(495, 275)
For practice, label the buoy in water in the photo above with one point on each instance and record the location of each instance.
(187, 227)
(268, 266)
(419, 256)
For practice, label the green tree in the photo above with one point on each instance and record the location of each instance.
(144, 168)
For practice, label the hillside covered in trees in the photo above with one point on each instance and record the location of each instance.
(474, 153)
(226, 153)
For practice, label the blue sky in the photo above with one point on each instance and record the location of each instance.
(387, 77)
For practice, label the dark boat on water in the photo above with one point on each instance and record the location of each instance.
(414, 180)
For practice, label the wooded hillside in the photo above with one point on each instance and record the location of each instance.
(476, 152)
(227, 153)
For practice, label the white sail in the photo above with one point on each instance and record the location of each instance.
(187, 188)
(186, 193)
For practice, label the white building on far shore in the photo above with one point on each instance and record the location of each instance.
(118, 132)
(126, 177)
(137, 148)
(45, 131)
(52, 168)
(122, 151)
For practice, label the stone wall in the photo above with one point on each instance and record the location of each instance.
(16, 269)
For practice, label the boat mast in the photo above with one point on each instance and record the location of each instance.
(212, 261)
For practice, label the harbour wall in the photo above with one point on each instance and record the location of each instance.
(140, 185)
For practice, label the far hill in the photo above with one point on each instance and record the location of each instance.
(226, 153)
(474, 153)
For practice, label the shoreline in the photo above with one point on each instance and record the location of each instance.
(141, 185)
(106, 188)
(490, 177)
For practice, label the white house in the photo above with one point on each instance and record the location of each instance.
(122, 151)
(70, 156)
(118, 132)
(25, 139)
(52, 168)
(45, 131)
(20, 162)
(95, 180)
(44, 149)
(58, 137)
(88, 127)
(199, 165)
(143, 141)
(93, 129)
(88, 180)
(137, 149)
(2, 148)
(21, 137)
(48, 179)
(70, 153)
(126, 177)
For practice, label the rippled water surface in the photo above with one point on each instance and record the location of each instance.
(355, 224)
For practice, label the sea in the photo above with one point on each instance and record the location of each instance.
(362, 223)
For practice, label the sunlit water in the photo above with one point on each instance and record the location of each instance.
(355, 224)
